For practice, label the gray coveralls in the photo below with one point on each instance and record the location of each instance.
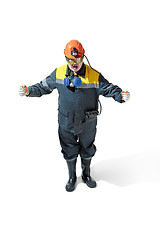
(76, 132)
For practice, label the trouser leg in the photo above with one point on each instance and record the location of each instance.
(70, 150)
(86, 141)
(70, 146)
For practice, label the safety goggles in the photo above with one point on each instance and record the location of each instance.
(76, 60)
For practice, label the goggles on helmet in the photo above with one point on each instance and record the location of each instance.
(75, 60)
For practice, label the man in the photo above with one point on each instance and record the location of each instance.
(79, 87)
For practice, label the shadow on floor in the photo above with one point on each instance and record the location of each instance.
(124, 171)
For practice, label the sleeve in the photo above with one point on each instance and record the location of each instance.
(44, 87)
(109, 90)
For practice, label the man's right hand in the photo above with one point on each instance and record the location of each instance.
(23, 90)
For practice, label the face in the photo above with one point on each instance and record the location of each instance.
(75, 64)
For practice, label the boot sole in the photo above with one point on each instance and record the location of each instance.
(70, 189)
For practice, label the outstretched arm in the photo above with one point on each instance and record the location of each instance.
(37, 90)
(109, 90)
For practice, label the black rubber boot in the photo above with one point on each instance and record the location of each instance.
(70, 186)
(85, 163)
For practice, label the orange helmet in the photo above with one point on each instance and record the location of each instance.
(74, 49)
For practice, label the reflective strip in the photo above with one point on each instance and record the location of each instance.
(110, 86)
(87, 159)
(89, 85)
(45, 84)
(60, 81)
(70, 160)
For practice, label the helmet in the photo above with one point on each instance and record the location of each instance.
(74, 49)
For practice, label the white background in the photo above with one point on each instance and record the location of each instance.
(122, 41)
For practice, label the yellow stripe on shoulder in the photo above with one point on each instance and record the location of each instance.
(61, 72)
(91, 76)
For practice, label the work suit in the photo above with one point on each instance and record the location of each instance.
(76, 131)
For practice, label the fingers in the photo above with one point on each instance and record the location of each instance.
(23, 90)
(125, 95)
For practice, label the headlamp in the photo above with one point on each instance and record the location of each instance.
(74, 52)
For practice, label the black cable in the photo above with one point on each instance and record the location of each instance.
(90, 64)
(75, 53)
(100, 111)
